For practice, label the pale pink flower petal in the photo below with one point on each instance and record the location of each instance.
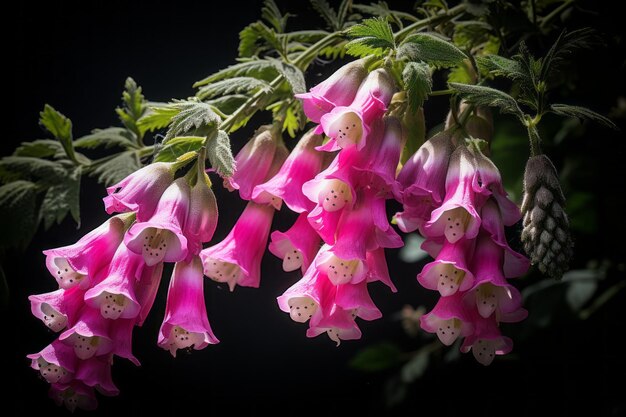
(338, 326)
(186, 324)
(297, 246)
(57, 309)
(449, 319)
(449, 272)
(56, 362)
(90, 335)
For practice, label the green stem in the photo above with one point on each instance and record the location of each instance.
(441, 92)
(554, 13)
(433, 20)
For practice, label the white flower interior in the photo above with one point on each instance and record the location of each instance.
(66, 276)
(85, 347)
(155, 244)
(349, 129)
(341, 271)
(335, 195)
(51, 372)
(449, 278)
(224, 272)
(292, 260)
(183, 339)
(456, 222)
(112, 305)
(52, 318)
(484, 350)
(301, 309)
(448, 330)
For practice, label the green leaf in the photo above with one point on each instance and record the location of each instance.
(272, 15)
(25, 167)
(377, 357)
(250, 36)
(582, 113)
(133, 106)
(40, 148)
(18, 220)
(470, 34)
(61, 199)
(116, 168)
(178, 146)
(220, 155)
(416, 367)
(412, 250)
(503, 67)
(157, 117)
(381, 9)
(327, 13)
(191, 114)
(295, 119)
(60, 127)
(566, 44)
(232, 86)
(228, 104)
(418, 83)
(257, 68)
(431, 48)
(487, 96)
(373, 37)
(107, 138)
(292, 74)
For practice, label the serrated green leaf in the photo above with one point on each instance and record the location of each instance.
(178, 146)
(377, 358)
(334, 52)
(327, 13)
(192, 115)
(220, 155)
(61, 199)
(503, 67)
(232, 86)
(157, 118)
(566, 43)
(582, 113)
(256, 68)
(40, 148)
(256, 32)
(272, 15)
(29, 168)
(418, 84)
(487, 96)
(228, 104)
(470, 34)
(116, 168)
(18, 220)
(372, 37)
(107, 138)
(460, 74)
(60, 127)
(432, 49)
(293, 75)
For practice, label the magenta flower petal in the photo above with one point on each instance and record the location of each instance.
(202, 217)
(297, 246)
(337, 90)
(236, 260)
(338, 326)
(74, 395)
(90, 335)
(56, 362)
(140, 191)
(146, 289)
(486, 341)
(339, 270)
(73, 265)
(356, 299)
(96, 373)
(449, 272)
(491, 185)
(377, 268)
(302, 165)
(121, 332)
(161, 238)
(186, 324)
(449, 319)
(57, 309)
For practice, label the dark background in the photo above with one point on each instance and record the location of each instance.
(76, 56)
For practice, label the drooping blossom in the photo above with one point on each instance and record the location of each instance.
(90, 335)
(57, 309)
(56, 362)
(297, 246)
(96, 372)
(201, 220)
(449, 319)
(74, 395)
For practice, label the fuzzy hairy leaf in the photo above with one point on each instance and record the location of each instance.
(178, 146)
(503, 67)
(107, 138)
(372, 37)
(29, 168)
(133, 106)
(582, 113)
(18, 219)
(232, 86)
(431, 48)
(116, 168)
(228, 104)
(272, 15)
(40, 148)
(61, 199)
(60, 127)
(566, 43)
(257, 68)
(470, 34)
(156, 118)
(293, 75)
(250, 36)
(487, 96)
(327, 13)
(220, 155)
(191, 115)
(418, 83)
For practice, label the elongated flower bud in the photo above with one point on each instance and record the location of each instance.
(546, 234)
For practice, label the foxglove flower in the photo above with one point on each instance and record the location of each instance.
(236, 260)
(96, 372)
(73, 396)
(302, 165)
(202, 217)
(56, 363)
(422, 180)
(115, 296)
(338, 326)
(186, 324)
(90, 335)
(355, 299)
(486, 341)
(449, 319)
(337, 90)
(121, 333)
(141, 190)
(297, 246)
(449, 272)
(57, 309)
(257, 161)
(72, 265)
(160, 238)
(349, 126)
(146, 289)
(457, 216)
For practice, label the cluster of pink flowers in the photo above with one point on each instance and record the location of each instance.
(454, 196)
(343, 204)
(108, 281)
